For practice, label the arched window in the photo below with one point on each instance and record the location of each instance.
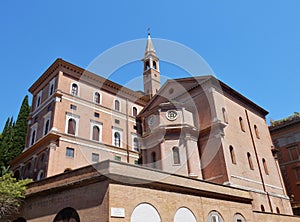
(117, 105)
(154, 65)
(224, 113)
(67, 214)
(184, 214)
(96, 133)
(262, 208)
(136, 144)
(71, 126)
(239, 218)
(147, 65)
(153, 159)
(47, 125)
(40, 175)
(232, 154)
(214, 216)
(74, 90)
(134, 111)
(250, 161)
(51, 89)
(277, 210)
(32, 137)
(176, 155)
(265, 166)
(97, 97)
(38, 101)
(145, 210)
(256, 132)
(242, 124)
(117, 139)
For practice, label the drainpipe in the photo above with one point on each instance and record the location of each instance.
(256, 155)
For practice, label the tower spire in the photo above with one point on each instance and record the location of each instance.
(150, 50)
(151, 69)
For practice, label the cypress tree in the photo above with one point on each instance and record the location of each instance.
(6, 142)
(20, 129)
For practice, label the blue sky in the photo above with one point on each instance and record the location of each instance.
(253, 46)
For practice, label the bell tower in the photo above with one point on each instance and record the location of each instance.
(151, 74)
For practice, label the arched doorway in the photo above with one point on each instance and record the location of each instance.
(146, 213)
(67, 215)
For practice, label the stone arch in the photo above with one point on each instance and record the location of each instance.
(67, 214)
(145, 212)
(184, 214)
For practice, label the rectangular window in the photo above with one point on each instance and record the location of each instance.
(73, 107)
(117, 158)
(96, 115)
(95, 157)
(69, 152)
(117, 121)
(294, 153)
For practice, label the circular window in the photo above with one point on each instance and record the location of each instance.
(171, 115)
(171, 90)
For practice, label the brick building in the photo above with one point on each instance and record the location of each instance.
(286, 138)
(205, 151)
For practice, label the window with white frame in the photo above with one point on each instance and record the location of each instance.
(96, 131)
(239, 218)
(72, 122)
(176, 155)
(51, 86)
(74, 89)
(46, 126)
(38, 99)
(214, 216)
(135, 143)
(117, 136)
(134, 111)
(33, 132)
(117, 105)
(70, 152)
(97, 98)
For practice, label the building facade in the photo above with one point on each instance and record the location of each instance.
(102, 192)
(201, 128)
(77, 118)
(202, 151)
(286, 138)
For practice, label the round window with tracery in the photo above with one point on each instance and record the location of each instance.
(171, 115)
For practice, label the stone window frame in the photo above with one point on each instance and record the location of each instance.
(99, 125)
(76, 118)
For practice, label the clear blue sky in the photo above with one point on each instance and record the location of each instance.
(253, 46)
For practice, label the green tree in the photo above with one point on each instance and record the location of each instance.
(11, 194)
(6, 142)
(20, 129)
(12, 139)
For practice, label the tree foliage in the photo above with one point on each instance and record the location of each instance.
(12, 139)
(11, 194)
(20, 129)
